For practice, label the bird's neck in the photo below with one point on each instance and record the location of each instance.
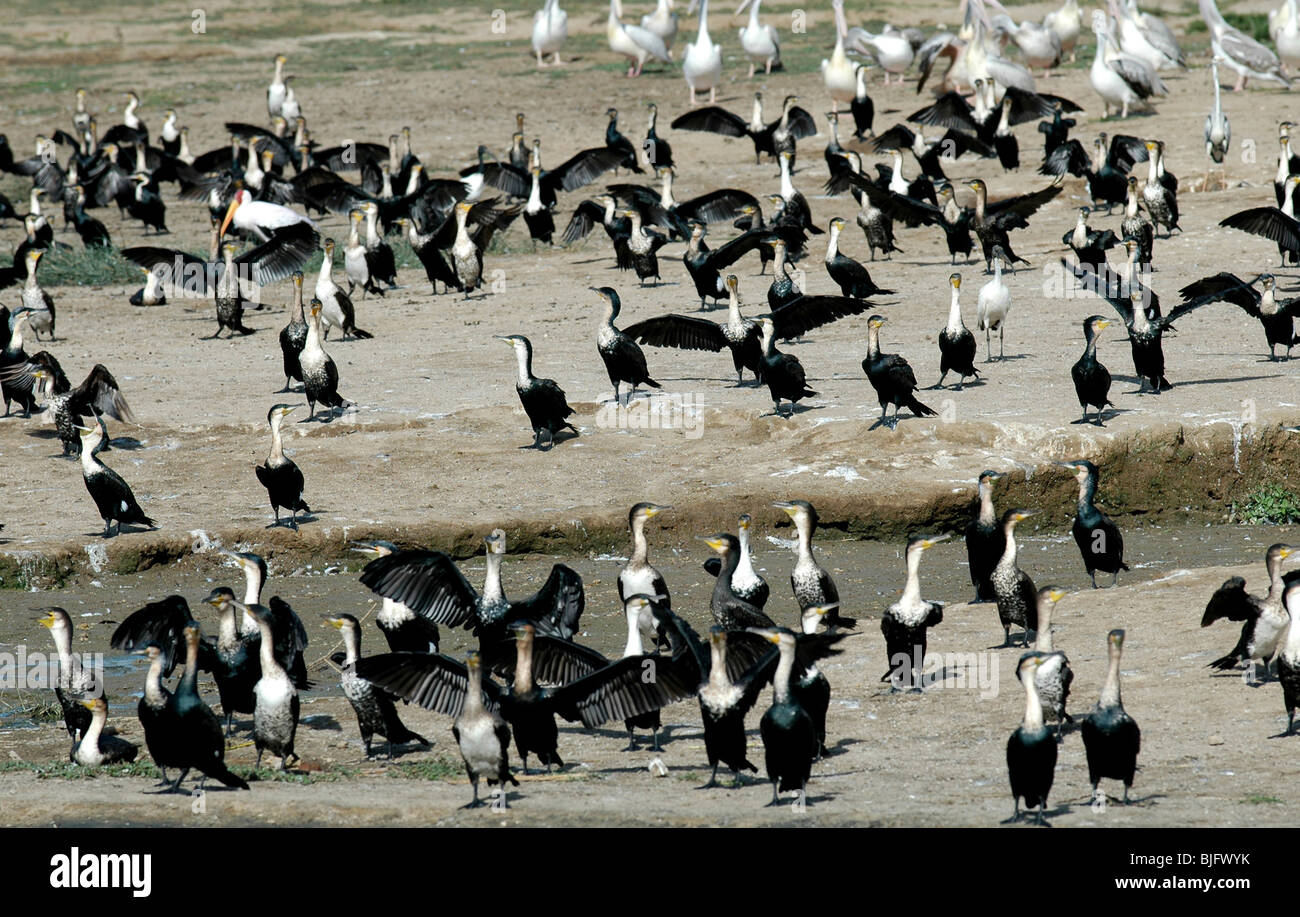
(1009, 552)
(987, 515)
(873, 342)
(524, 364)
(781, 681)
(1033, 707)
(1043, 642)
(640, 548)
(832, 243)
(1110, 696)
(153, 689)
(523, 666)
(718, 677)
(1087, 490)
(276, 455)
(351, 646)
(912, 588)
(492, 591)
(954, 312)
(633, 647)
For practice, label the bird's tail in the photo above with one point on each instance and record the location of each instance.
(650, 382)
(807, 393)
(920, 410)
(404, 735)
(358, 333)
(220, 772)
(1225, 662)
(302, 507)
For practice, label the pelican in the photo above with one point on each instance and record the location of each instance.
(259, 218)
(1157, 50)
(761, 42)
(891, 48)
(1040, 46)
(275, 92)
(702, 62)
(550, 29)
(1245, 55)
(839, 73)
(1287, 37)
(663, 22)
(1067, 23)
(632, 41)
(1119, 79)
(1159, 34)
(1218, 132)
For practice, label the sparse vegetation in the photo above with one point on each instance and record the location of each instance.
(1267, 504)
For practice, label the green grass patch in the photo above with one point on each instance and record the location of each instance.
(67, 770)
(1267, 504)
(1253, 25)
(1256, 800)
(76, 265)
(437, 768)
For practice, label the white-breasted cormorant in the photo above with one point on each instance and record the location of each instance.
(95, 748)
(1013, 590)
(40, 304)
(320, 375)
(376, 713)
(68, 407)
(1054, 676)
(1099, 539)
(1288, 657)
(638, 576)
(482, 735)
(623, 359)
(905, 623)
(1031, 750)
(279, 474)
(992, 222)
(75, 682)
(746, 582)
(985, 541)
(658, 152)
(276, 707)
(1276, 223)
(404, 630)
(157, 717)
(1264, 618)
(1091, 377)
(795, 121)
(1111, 738)
(730, 610)
(543, 400)
(811, 584)
(113, 497)
(293, 336)
(957, 346)
(644, 245)
(337, 310)
(1277, 316)
(782, 373)
(892, 378)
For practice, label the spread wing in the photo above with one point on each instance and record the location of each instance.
(427, 582)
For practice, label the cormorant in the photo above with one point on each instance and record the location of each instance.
(782, 373)
(892, 378)
(957, 346)
(376, 714)
(97, 395)
(1111, 737)
(1288, 659)
(1137, 227)
(1091, 378)
(624, 361)
(851, 277)
(797, 123)
(281, 477)
(993, 221)
(275, 713)
(158, 717)
(1053, 677)
(905, 623)
(38, 303)
(483, 736)
(638, 576)
(658, 153)
(337, 310)
(1012, 588)
(112, 495)
(1031, 750)
(95, 748)
(1099, 539)
(75, 682)
(293, 336)
(1277, 316)
(404, 630)
(811, 583)
(985, 540)
(861, 107)
(320, 375)
(644, 246)
(1090, 245)
(1276, 223)
(746, 582)
(1265, 619)
(1160, 201)
(730, 610)
(544, 401)
(782, 291)
(616, 142)
(199, 742)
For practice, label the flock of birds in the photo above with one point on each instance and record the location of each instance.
(252, 186)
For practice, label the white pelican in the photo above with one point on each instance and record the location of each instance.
(1067, 23)
(761, 42)
(838, 73)
(983, 60)
(1287, 37)
(550, 29)
(259, 218)
(1156, 31)
(1245, 55)
(702, 62)
(1278, 18)
(891, 49)
(632, 41)
(1218, 132)
(1120, 80)
(275, 92)
(1039, 45)
(1147, 45)
(663, 22)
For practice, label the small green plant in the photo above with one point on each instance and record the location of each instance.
(76, 265)
(438, 768)
(1267, 504)
(1256, 800)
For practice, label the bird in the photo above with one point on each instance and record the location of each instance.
(1120, 79)
(761, 43)
(281, 477)
(658, 152)
(892, 378)
(1098, 537)
(75, 681)
(293, 336)
(782, 373)
(812, 584)
(199, 743)
(1067, 23)
(728, 609)
(95, 749)
(662, 21)
(957, 346)
(795, 122)
(1111, 738)
(1264, 619)
(905, 623)
(992, 222)
(634, 42)
(158, 719)
(702, 60)
(1091, 378)
(851, 277)
(624, 361)
(1288, 658)
(1218, 129)
(1276, 316)
(320, 374)
(276, 700)
(276, 91)
(1013, 590)
(985, 539)
(1053, 677)
(376, 713)
(1275, 223)
(99, 394)
(112, 495)
(992, 305)
(638, 576)
(482, 736)
(746, 582)
(259, 219)
(1240, 52)
(404, 630)
(1031, 750)
(544, 401)
(839, 74)
(38, 303)
(550, 29)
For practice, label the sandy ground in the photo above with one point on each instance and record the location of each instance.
(434, 440)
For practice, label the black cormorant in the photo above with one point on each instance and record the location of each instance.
(1099, 539)
(376, 713)
(985, 540)
(797, 122)
(544, 401)
(782, 373)
(746, 582)
(1012, 588)
(112, 495)
(1111, 737)
(1277, 316)
(851, 277)
(1091, 378)
(992, 222)
(293, 336)
(957, 346)
(892, 378)
(404, 630)
(905, 623)
(1031, 750)
(320, 375)
(1265, 618)
(624, 361)
(281, 477)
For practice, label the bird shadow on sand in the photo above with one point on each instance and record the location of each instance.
(1109, 414)
(303, 519)
(794, 409)
(547, 445)
(1139, 802)
(321, 721)
(1010, 356)
(1191, 382)
(126, 529)
(841, 747)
